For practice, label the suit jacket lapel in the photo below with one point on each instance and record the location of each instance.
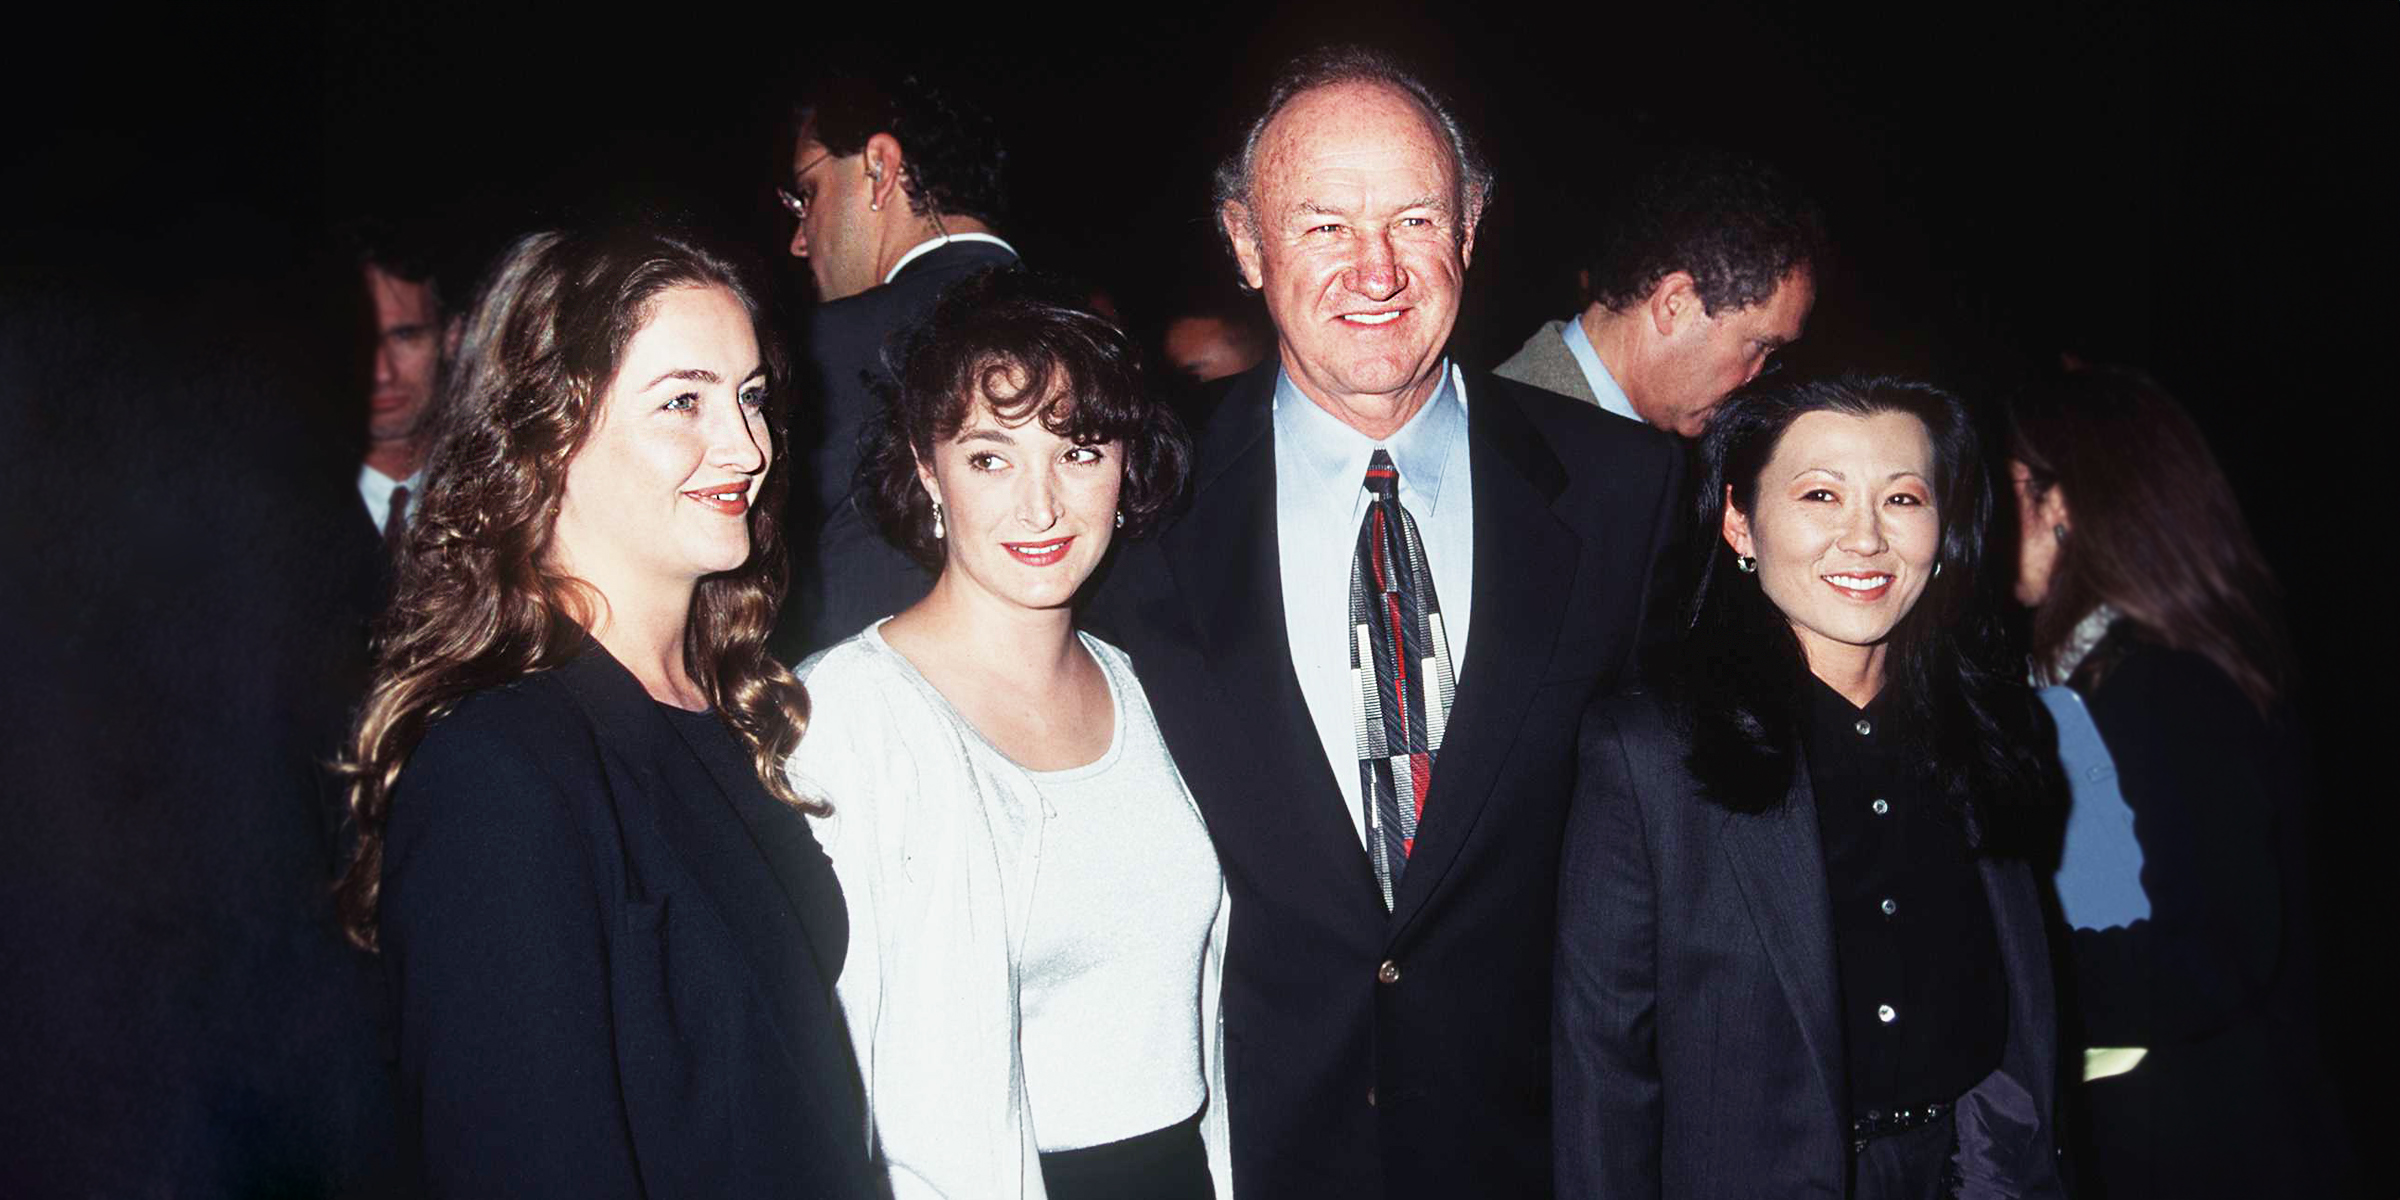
(1779, 863)
(1524, 563)
(1222, 558)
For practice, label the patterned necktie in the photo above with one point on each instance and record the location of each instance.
(1400, 661)
(395, 521)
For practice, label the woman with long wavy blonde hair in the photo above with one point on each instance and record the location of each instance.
(609, 935)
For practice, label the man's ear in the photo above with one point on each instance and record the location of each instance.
(1674, 303)
(1736, 528)
(1242, 233)
(885, 164)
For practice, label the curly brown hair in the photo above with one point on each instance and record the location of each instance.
(478, 601)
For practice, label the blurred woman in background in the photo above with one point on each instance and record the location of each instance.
(609, 936)
(2157, 629)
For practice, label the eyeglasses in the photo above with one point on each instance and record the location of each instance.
(796, 203)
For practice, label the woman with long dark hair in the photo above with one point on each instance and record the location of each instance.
(1792, 959)
(1040, 917)
(2157, 629)
(609, 935)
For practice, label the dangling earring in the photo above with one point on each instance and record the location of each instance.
(937, 520)
(1745, 564)
(1937, 569)
(1120, 518)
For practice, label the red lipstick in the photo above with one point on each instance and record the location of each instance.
(1040, 554)
(731, 499)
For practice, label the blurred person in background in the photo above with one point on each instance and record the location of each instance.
(1702, 269)
(410, 345)
(2158, 633)
(1210, 341)
(896, 190)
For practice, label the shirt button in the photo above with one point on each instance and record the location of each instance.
(1865, 727)
(1889, 907)
(1886, 1013)
(1389, 972)
(1881, 806)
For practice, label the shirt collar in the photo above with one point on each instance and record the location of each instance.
(378, 484)
(1595, 372)
(1335, 455)
(929, 245)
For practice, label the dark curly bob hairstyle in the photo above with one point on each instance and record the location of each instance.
(1025, 345)
(480, 600)
(1738, 679)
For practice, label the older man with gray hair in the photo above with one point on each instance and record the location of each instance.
(1368, 642)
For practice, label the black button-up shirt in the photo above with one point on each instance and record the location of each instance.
(1923, 995)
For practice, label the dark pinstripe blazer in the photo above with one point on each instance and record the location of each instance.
(1697, 1049)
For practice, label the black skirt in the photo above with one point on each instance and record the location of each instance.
(1164, 1164)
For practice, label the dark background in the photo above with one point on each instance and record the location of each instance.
(2123, 182)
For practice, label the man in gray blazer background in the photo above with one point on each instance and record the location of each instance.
(1701, 271)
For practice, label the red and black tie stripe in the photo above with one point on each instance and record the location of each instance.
(1400, 663)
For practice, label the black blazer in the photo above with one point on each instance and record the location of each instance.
(603, 971)
(1699, 1052)
(1435, 1082)
(845, 575)
(2219, 982)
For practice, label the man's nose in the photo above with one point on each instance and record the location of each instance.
(1376, 274)
(384, 372)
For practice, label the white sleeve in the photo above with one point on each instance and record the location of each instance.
(928, 990)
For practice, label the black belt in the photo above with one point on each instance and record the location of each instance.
(1884, 1122)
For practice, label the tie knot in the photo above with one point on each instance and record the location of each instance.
(1383, 478)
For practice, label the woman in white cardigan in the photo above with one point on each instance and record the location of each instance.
(1037, 917)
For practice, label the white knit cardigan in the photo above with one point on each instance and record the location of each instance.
(937, 839)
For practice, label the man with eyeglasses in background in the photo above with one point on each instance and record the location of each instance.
(1701, 271)
(896, 186)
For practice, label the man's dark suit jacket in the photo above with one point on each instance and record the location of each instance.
(845, 575)
(1431, 1078)
(1699, 1049)
(604, 970)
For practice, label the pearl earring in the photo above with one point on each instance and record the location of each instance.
(1745, 564)
(937, 520)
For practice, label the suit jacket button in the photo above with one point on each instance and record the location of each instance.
(1389, 972)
